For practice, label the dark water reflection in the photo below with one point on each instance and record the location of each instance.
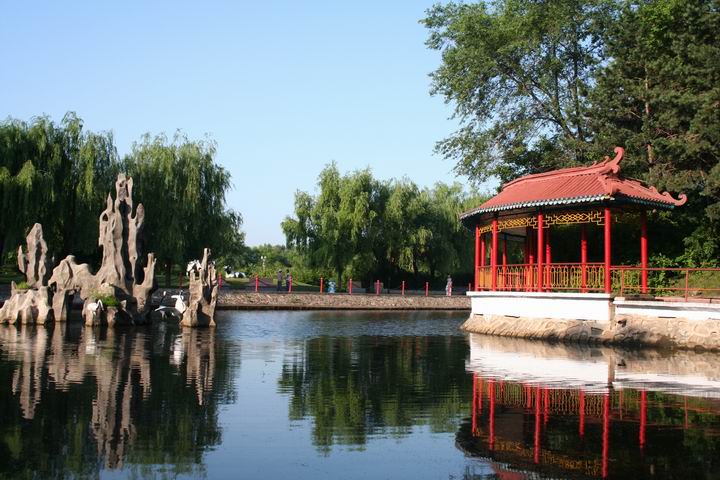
(347, 395)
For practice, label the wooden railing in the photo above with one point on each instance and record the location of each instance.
(625, 280)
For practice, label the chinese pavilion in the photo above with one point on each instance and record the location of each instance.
(527, 209)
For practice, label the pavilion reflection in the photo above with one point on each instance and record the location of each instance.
(114, 386)
(591, 412)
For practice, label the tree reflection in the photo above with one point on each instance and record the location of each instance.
(77, 400)
(354, 387)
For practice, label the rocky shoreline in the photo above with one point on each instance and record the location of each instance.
(625, 330)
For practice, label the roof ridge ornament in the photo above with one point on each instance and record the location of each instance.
(681, 200)
(614, 164)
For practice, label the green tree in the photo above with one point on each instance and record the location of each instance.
(372, 230)
(408, 230)
(334, 230)
(517, 73)
(658, 96)
(57, 175)
(183, 190)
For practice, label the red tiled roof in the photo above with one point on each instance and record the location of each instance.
(577, 185)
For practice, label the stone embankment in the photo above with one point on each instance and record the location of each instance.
(627, 330)
(242, 300)
(238, 300)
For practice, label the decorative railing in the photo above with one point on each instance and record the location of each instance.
(625, 280)
(667, 282)
(556, 277)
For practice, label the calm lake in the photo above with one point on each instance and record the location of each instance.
(347, 395)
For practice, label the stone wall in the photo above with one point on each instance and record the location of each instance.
(315, 301)
(622, 330)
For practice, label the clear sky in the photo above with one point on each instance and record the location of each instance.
(283, 87)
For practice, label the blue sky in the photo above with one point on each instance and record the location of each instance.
(283, 87)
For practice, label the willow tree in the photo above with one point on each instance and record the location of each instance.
(333, 230)
(408, 228)
(183, 191)
(55, 174)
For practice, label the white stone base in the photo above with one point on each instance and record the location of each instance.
(597, 307)
(659, 309)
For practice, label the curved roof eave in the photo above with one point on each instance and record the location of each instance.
(563, 201)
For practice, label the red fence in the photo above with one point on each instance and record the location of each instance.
(590, 277)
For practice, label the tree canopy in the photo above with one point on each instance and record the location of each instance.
(60, 174)
(370, 229)
(181, 178)
(540, 84)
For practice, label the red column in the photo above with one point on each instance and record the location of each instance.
(605, 434)
(474, 404)
(494, 254)
(491, 395)
(643, 417)
(477, 255)
(548, 259)
(540, 248)
(504, 264)
(530, 259)
(536, 443)
(583, 257)
(581, 408)
(483, 257)
(608, 249)
(643, 252)
(480, 395)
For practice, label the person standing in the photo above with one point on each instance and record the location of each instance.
(448, 286)
(279, 280)
(288, 281)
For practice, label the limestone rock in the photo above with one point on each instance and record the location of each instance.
(203, 295)
(120, 276)
(30, 305)
(34, 264)
(27, 306)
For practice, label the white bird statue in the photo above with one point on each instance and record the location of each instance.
(176, 310)
(95, 307)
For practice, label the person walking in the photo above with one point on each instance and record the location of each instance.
(279, 280)
(448, 286)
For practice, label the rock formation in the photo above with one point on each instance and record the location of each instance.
(31, 304)
(34, 264)
(120, 290)
(203, 295)
(121, 276)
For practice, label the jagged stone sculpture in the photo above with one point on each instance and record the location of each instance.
(121, 277)
(120, 290)
(203, 295)
(34, 264)
(31, 304)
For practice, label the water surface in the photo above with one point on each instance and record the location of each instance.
(347, 395)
